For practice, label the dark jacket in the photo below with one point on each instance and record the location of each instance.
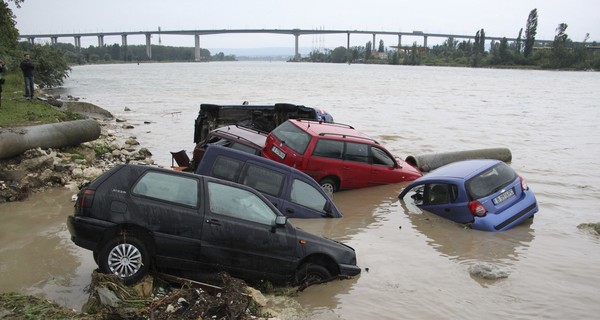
(27, 67)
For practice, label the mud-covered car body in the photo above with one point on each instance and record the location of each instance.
(133, 217)
(483, 194)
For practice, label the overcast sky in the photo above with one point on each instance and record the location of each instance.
(498, 18)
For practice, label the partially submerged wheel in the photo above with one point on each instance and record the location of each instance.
(126, 257)
(329, 186)
(311, 273)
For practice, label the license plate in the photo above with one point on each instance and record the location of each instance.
(503, 196)
(278, 152)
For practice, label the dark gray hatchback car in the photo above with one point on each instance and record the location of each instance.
(136, 217)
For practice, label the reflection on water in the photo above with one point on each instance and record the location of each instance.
(465, 245)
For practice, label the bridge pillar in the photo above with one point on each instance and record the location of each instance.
(348, 41)
(399, 42)
(296, 54)
(53, 40)
(197, 56)
(31, 40)
(124, 46)
(148, 46)
(100, 41)
(374, 48)
(78, 42)
(425, 41)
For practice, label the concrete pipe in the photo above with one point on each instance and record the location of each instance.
(430, 161)
(14, 141)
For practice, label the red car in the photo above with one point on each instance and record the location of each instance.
(335, 155)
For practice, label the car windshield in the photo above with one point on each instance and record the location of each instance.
(292, 136)
(490, 181)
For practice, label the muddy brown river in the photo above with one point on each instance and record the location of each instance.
(415, 265)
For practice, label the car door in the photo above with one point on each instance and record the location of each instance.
(383, 168)
(307, 200)
(239, 233)
(356, 169)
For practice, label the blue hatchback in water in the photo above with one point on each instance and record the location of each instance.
(483, 194)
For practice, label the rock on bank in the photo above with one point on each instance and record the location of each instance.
(46, 165)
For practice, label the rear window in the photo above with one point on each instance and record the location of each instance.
(173, 188)
(491, 181)
(292, 136)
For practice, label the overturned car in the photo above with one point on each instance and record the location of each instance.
(261, 117)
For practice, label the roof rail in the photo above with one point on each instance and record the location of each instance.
(347, 135)
(329, 123)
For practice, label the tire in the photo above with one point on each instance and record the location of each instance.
(126, 257)
(329, 186)
(311, 273)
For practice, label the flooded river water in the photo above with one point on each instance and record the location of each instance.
(415, 265)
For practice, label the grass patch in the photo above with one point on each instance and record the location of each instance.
(17, 111)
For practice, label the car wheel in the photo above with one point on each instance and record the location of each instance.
(126, 257)
(329, 186)
(310, 273)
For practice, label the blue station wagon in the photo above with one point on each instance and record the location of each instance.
(483, 194)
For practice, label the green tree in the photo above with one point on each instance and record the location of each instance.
(368, 50)
(519, 39)
(50, 66)
(381, 46)
(8, 31)
(530, 32)
(338, 55)
(561, 55)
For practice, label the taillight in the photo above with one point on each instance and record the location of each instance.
(477, 209)
(85, 199)
(524, 185)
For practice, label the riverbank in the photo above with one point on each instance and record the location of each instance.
(71, 166)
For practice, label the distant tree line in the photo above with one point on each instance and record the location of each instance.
(563, 53)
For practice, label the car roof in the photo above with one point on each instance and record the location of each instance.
(336, 131)
(254, 136)
(461, 169)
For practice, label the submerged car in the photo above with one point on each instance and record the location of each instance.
(336, 155)
(136, 217)
(293, 192)
(483, 194)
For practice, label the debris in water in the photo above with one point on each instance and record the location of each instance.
(487, 271)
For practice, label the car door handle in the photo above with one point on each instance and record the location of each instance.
(289, 210)
(213, 221)
(447, 209)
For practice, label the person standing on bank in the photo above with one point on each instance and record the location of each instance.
(2, 70)
(27, 68)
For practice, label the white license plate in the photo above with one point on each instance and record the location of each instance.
(278, 152)
(503, 196)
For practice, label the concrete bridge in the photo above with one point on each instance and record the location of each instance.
(293, 32)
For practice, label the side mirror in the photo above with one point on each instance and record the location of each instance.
(280, 221)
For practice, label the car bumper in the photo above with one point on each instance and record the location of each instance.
(349, 270)
(87, 232)
(509, 218)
